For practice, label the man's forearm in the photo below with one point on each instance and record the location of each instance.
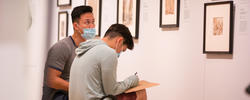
(55, 81)
(59, 84)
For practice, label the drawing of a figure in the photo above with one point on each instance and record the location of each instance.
(93, 4)
(169, 5)
(127, 12)
(218, 25)
(62, 33)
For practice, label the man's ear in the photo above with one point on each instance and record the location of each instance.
(119, 39)
(75, 25)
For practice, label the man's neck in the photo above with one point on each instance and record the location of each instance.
(77, 38)
(108, 42)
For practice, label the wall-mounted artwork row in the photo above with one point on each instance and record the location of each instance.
(62, 25)
(218, 27)
(169, 13)
(97, 11)
(63, 3)
(128, 14)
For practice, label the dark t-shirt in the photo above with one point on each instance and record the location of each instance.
(60, 57)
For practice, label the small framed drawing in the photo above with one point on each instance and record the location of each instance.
(218, 27)
(97, 11)
(169, 13)
(63, 3)
(62, 25)
(128, 14)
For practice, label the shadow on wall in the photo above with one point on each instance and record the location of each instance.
(65, 7)
(170, 29)
(219, 56)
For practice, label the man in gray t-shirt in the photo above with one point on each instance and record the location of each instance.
(60, 58)
(61, 55)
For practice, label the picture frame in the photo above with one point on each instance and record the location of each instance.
(128, 12)
(61, 3)
(218, 27)
(169, 13)
(97, 11)
(62, 25)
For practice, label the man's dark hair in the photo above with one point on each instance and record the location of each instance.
(78, 11)
(121, 30)
(248, 90)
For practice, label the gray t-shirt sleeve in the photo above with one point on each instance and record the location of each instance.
(110, 84)
(57, 56)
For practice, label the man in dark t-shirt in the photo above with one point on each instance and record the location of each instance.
(62, 54)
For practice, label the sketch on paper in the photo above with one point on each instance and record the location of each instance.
(96, 5)
(217, 25)
(169, 13)
(93, 4)
(62, 34)
(62, 25)
(127, 12)
(169, 5)
(61, 3)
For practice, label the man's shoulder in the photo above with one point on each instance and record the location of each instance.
(63, 45)
(66, 43)
(105, 50)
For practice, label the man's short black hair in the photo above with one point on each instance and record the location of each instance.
(78, 11)
(121, 30)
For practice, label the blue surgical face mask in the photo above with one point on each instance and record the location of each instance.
(118, 54)
(88, 33)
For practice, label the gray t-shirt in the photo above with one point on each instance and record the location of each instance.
(60, 57)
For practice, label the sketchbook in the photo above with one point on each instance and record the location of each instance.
(142, 85)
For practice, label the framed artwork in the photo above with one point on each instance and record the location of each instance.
(63, 3)
(97, 11)
(218, 27)
(62, 25)
(169, 13)
(128, 14)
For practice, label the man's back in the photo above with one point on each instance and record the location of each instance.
(86, 78)
(93, 72)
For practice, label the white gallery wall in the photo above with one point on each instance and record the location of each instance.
(174, 57)
(23, 45)
(171, 57)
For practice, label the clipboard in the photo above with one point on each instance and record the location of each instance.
(142, 85)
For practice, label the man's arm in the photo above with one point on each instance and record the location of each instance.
(55, 81)
(56, 60)
(110, 85)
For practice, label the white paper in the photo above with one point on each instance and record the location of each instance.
(132, 22)
(63, 2)
(217, 42)
(243, 16)
(170, 18)
(186, 15)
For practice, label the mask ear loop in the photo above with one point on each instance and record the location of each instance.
(78, 26)
(119, 45)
